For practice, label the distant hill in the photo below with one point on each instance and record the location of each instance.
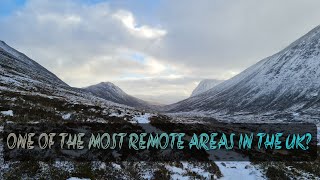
(111, 92)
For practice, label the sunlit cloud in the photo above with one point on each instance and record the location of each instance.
(143, 31)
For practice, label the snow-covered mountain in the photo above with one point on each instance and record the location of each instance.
(30, 91)
(204, 86)
(286, 81)
(20, 71)
(111, 92)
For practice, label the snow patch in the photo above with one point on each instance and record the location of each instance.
(176, 173)
(142, 119)
(116, 166)
(76, 178)
(66, 116)
(239, 170)
(7, 113)
(65, 165)
(197, 170)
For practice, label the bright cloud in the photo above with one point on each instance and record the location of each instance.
(143, 31)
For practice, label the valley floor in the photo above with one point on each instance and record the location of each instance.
(35, 108)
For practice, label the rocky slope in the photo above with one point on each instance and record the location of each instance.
(20, 71)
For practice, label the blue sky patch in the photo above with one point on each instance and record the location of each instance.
(9, 6)
(138, 57)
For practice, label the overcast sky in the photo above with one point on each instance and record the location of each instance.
(152, 49)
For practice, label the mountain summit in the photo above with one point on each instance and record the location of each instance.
(204, 86)
(111, 92)
(288, 80)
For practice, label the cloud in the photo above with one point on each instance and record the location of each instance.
(143, 31)
(83, 42)
(231, 35)
(158, 49)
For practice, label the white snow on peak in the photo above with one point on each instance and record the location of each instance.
(15, 53)
(204, 86)
(111, 92)
(112, 87)
(289, 79)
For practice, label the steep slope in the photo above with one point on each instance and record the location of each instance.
(288, 80)
(111, 92)
(18, 73)
(21, 71)
(204, 86)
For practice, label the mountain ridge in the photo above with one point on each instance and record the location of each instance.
(111, 92)
(287, 80)
(22, 66)
(19, 74)
(204, 86)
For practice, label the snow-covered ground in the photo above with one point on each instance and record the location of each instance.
(7, 113)
(76, 178)
(197, 170)
(184, 171)
(141, 119)
(66, 116)
(235, 169)
(239, 170)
